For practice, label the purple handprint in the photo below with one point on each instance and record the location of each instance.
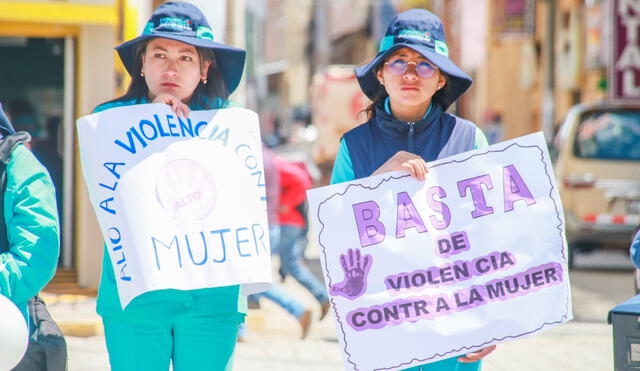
(355, 270)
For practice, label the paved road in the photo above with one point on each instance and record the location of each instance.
(601, 282)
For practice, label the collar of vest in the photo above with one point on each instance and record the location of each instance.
(393, 127)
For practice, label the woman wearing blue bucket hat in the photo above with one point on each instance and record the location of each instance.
(411, 81)
(174, 61)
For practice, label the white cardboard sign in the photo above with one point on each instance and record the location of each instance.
(420, 271)
(180, 202)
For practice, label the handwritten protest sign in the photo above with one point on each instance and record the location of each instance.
(181, 202)
(422, 271)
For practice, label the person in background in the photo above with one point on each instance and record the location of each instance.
(30, 234)
(634, 250)
(176, 62)
(411, 82)
(276, 293)
(294, 182)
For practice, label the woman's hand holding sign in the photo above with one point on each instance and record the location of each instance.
(476, 356)
(402, 160)
(176, 104)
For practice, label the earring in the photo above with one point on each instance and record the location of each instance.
(142, 73)
(381, 82)
(204, 80)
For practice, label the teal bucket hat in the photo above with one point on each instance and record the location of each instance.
(182, 21)
(422, 31)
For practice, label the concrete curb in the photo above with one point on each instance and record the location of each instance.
(76, 315)
(81, 329)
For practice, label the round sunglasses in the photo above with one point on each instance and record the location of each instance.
(399, 66)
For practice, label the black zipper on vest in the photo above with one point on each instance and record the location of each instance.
(411, 124)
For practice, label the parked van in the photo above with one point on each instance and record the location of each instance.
(598, 175)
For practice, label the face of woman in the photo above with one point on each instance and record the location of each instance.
(172, 67)
(412, 89)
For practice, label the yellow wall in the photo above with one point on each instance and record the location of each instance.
(57, 13)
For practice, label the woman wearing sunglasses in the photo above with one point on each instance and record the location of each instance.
(412, 82)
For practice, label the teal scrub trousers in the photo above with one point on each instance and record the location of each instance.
(449, 364)
(192, 341)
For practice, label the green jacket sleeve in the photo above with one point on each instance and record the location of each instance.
(31, 216)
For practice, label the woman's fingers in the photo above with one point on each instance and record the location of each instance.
(181, 109)
(420, 168)
(416, 167)
(402, 160)
(476, 356)
(184, 109)
(409, 168)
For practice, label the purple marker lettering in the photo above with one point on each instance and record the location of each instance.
(370, 230)
(407, 216)
(515, 188)
(439, 207)
(475, 185)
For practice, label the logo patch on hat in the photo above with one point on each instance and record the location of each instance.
(204, 33)
(174, 24)
(441, 48)
(415, 34)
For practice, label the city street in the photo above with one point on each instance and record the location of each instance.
(154, 143)
(601, 281)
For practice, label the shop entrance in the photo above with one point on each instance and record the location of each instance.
(37, 92)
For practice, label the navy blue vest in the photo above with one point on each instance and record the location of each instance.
(371, 144)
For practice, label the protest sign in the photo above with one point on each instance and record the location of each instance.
(181, 202)
(420, 271)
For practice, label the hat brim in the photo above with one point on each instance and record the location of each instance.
(458, 81)
(5, 125)
(229, 60)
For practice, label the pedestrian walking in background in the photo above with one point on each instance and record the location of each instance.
(174, 61)
(276, 293)
(634, 250)
(30, 240)
(411, 82)
(294, 182)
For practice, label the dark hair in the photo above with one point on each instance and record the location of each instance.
(443, 92)
(204, 94)
(381, 95)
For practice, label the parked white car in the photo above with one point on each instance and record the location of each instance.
(598, 175)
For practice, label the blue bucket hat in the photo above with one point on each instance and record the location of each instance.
(5, 125)
(422, 31)
(184, 22)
